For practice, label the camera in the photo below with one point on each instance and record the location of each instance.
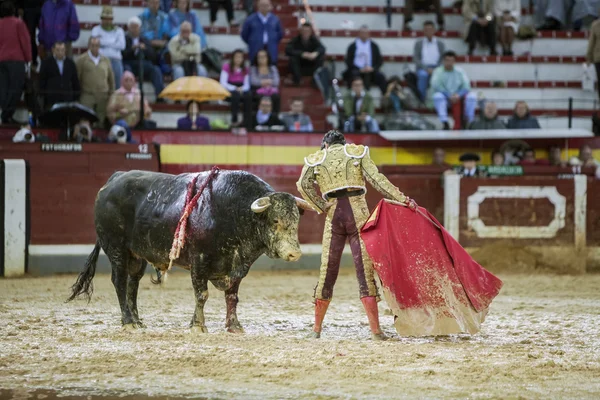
(117, 134)
(24, 135)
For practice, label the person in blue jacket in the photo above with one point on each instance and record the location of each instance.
(181, 14)
(262, 30)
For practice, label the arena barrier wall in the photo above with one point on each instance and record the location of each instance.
(14, 213)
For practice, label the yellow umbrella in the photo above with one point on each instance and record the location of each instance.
(195, 88)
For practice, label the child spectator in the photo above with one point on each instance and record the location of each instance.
(235, 77)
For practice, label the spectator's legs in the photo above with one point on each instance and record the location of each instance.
(439, 12)
(322, 78)
(295, 68)
(457, 114)
(249, 6)
(372, 126)
(349, 124)
(228, 4)
(117, 67)
(153, 71)
(12, 81)
(507, 37)
(470, 105)
(473, 36)
(101, 103)
(408, 13)
(32, 19)
(380, 81)
(349, 74)
(276, 100)
(178, 71)
(422, 83)
(235, 100)
(368, 79)
(247, 104)
(201, 70)
(597, 65)
(440, 102)
(396, 104)
(490, 35)
(214, 8)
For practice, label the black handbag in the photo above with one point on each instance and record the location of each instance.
(212, 59)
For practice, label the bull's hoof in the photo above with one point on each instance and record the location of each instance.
(379, 337)
(140, 324)
(314, 335)
(235, 329)
(198, 329)
(130, 327)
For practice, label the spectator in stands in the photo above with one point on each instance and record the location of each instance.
(96, 79)
(166, 5)
(214, 6)
(528, 157)
(193, 120)
(489, 119)
(136, 46)
(264, 79)
(393, 96)
(15, 52)
(154, 25)
(586, 157)
(555, 158)
(522, 119)
(427, 56)
(593, 49)
(32, 12)
(186, 53)
(235, 77)
(359, 108)
(125, 103)
(181, 14)
(480, 24)
(507, 13)
(296, 120)
(306, 53)
(112, 41)
(439, 158)
(266, 118)
(58, 23)
(364, 59)
(58, 81)
(262, 30)
(450, 84)
(556, 12)
(469, 167)
(497, 158)
(423, 5)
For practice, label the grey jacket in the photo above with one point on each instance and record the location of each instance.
(305, 123)
(418, 52)
(485, 123)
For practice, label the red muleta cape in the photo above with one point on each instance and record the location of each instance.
(430, 282)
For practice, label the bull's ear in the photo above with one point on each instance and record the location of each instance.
(261, 204)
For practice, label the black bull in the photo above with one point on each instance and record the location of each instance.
(238, 218)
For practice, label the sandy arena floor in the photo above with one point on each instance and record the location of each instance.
(541, 341)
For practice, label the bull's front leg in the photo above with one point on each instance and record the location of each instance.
(200, 284)
(231, 300)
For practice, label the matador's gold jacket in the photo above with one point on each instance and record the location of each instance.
(342, 167)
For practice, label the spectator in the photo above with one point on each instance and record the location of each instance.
(556, 12)
(136, 45)
(96, 79)
(262, 30)
(112, 41)
(264, 79)
(469, 167)
(32, 12)
(451, 84)
(265, 118)
(125, 103)
(392, 98)
(186, 53)
(363, 59)
(359, 108)
(497, 159)
(439, 158)
(480, 24)
(235, 77)
(593, 49)
(181, 14)
(586, 157)
(15, 52)
(423, 5)
(489, 120)
(193, 120)
(166, 5)
(427, 56)
(296, 120)
(554, 157)
(154, 25)
(507, 13)
(528, 157)
(214, 6)
(306, 53)
(522, 119)
(58, 80)
(58, 23)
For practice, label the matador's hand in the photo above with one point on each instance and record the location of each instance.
(411, 204)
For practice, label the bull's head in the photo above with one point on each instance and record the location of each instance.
(281, 214)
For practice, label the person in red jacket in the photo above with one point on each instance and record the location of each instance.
(15, 52)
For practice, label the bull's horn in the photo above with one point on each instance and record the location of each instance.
(303, 204)
(261, 204)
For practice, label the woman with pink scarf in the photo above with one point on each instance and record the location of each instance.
(124, 103)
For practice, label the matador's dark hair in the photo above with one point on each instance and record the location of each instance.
(333, 137)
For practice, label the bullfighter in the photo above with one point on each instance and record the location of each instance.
(340, 171)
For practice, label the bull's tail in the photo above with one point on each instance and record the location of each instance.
(83, 285)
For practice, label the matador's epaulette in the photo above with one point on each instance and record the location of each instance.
(316, 158)
(356, 150)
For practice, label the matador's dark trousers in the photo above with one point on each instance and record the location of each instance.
(344, 221)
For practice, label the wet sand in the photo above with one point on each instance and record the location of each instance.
(541, 340)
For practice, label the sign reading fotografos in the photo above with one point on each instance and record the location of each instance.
(67, 147)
